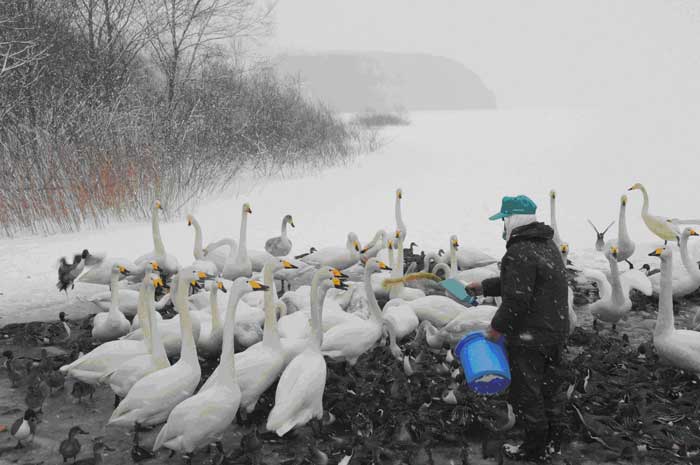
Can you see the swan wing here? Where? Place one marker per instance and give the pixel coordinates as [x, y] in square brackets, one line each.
[635, 279]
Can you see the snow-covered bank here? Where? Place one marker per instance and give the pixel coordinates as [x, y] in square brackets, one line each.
[453, 167]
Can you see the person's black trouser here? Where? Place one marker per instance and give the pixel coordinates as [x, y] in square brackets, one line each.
[536, 394]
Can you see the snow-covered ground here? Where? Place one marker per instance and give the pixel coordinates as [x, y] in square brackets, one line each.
[453, 168]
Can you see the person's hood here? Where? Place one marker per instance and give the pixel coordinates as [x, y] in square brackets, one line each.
[535, 230]
[513, 222]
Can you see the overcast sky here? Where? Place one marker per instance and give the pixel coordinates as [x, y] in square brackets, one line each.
[530, 53]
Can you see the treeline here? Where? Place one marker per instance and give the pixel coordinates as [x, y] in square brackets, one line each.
[107, 104]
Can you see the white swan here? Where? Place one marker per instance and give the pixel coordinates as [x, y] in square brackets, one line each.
[128, 373]
[221, 251]
[553, 217]
[167, 262]
[400, 225]
[241, 266]
[280, 246]
[211, 330]
[299, 394]
[659, 225]
[399, 290]
[452, 270]
[680, 348]
[573, 318]
[377, 243]
[336, 257]
[201, 419]
[201, 262]
[400, 316]
[475, 319]
[686, 281]
[112, 325]
[151, 399]
[624, 244]
[600, 236]
[128, 300]
[347, 341]
[437, 309]
[98, 270]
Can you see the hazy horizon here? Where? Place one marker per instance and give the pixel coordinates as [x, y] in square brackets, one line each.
[543, 53]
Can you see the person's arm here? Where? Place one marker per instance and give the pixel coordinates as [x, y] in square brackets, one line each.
[491, 287]
[518, 275]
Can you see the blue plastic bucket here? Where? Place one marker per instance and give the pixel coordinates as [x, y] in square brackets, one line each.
[485, 363]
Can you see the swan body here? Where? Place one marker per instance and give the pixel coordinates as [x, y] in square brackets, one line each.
[111, 325]
[240, 265]
[347, 341]
[680, 348]
[299, 394]
[167, 262]
[171, 333]
[685, 280]
[623, 243]
[401, 317]
[211, 330]
[659, 225]
[201, 419]
[153, 397]
[128, 373]
[280, 246]
[128, 300]
[219, 252]
[336, 257]
[437, 309]
[99, 270]
[479, 274]
[474, 319]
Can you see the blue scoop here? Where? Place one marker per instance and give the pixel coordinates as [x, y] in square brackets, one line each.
[485, 364]
[456, 289]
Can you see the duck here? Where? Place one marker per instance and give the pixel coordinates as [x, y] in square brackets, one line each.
[553, 217]
[336, 257]
[600, 236]
[167, 262]
[259, 366]
[374, 246]
[686, 279]
[614, 303]
[280, 246]
[81, 390]
[201, 262]
[299, 393]
[123, 378]
[240, 265]
[212, 329]
[69, 272]
[658, 225]
[97, 448]
[152, 398]
[680, 348]
[70, 448]
[24, 428]
[348, 341]
[625, 246]
[112, 325]
[16, 369]
[221, 251]
[202, 418]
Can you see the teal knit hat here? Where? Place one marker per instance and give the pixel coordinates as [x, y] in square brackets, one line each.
[519, 205]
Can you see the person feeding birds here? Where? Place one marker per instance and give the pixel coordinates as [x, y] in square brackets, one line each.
[533, 317]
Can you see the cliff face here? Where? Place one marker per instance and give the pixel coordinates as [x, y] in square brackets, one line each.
[351, 82]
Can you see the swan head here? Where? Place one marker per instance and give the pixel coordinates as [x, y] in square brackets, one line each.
[154, 280]
[687, 232]
[636, 186]
[614, 251]
[190, 219]
[390, 243]
[220, 284]
[660, 252]
[157, 205]
[247, 209]
[553, 194]
[564, 249]
[399, 235]
[120, 269]
[373, 265]
[339, 284]
[623, 200]
[399, 194]
[353, 242]
[454, 243]
[330, 272]
[290, 220]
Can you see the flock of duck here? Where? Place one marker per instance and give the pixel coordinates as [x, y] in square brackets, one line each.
[286, 317]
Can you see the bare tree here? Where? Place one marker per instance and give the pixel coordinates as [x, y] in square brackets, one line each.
[191, 30]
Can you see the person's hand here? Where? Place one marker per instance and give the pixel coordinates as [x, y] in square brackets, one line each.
[493, 335]
[475, 288]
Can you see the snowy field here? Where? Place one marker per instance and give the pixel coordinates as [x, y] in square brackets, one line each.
[453, 168]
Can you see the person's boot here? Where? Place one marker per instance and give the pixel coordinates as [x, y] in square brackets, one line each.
[532, 449]
[554, 439]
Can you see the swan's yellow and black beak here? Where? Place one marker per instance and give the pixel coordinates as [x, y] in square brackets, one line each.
[288, 266]
[194, 284]
[338, 284]
[155, 266]
[356, 245]
[693, 232]
[397, 235]
[338, 274]
[189, 222]
[257, 285]
[158, 282]
[455, 244]
[364, 249]
[399, 194]
[247, 209]
[291, 223]
[383, 266]
[221, 287]
[202, 276]
[390, 244]
[158, 205]
[553, 194]
[624, 200]
[657, 252]
[564, 248]
[614, 251]
[124, 271]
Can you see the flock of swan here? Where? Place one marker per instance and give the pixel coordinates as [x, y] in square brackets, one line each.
[269, 317]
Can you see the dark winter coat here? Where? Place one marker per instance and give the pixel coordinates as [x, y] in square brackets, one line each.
[533, 288]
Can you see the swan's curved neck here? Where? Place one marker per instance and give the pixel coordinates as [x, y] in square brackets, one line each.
[618, 296]
[622, 224]
[318, 295]
[188, 350]
[645, 205]
[198, 247]
[271, 337]
[284, 227]
[392, 258]
[158, 246]
[453, 262]
[553, 217]
[242, 243]
[399, 218]
[157, 348]
[374, 310]
[114, 288]
[214, 304]
[227, 363]
[397, 269]
[142, 311]
[688, 263]
[665, 321]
